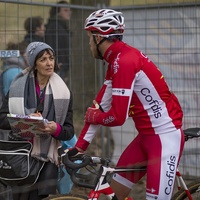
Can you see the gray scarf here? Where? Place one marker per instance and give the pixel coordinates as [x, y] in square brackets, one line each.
[23, 94]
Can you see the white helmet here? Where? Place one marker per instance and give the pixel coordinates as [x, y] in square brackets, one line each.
[105, 21]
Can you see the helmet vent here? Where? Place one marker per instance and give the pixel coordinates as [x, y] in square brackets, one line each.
[105, 28]
[113, 23]
[120, 18]
[90, 24]
[93, 14]
[93, 20]
[102, 11]
[104, 21]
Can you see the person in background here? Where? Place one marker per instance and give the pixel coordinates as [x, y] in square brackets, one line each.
[134, 87]
[57, 35]
[10, 68]
[13, 65]
[39, 89]
[35, 29]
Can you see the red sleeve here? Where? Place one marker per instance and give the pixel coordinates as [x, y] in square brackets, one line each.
[123, 77]
[81, 143]
[114, 97]
[103, 98]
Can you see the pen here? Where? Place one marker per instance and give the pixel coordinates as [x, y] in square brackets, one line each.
[37, 112]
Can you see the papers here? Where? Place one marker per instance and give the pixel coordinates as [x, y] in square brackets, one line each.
[25, 126]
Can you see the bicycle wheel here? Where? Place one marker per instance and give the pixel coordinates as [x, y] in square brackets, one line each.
[194, 189]
[66, 197]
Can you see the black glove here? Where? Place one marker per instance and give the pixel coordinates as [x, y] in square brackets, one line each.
[74, 153]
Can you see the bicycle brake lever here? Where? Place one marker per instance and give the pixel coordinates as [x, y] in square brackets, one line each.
[60, 154]
[61, 174]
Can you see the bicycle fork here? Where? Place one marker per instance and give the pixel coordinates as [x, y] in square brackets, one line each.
[180, 183]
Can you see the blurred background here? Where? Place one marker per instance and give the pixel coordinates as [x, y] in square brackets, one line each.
[167, 31]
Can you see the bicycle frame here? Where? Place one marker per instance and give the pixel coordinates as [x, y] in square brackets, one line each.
[180, 182]
[101, 185]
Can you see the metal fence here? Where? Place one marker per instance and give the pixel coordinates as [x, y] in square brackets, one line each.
[169, 34]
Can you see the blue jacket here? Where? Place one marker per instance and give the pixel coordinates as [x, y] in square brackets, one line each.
[10, 74]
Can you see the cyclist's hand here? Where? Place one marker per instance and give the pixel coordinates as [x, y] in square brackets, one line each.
[93, 113]
[74, 152]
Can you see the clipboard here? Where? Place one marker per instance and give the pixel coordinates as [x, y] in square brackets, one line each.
[24, 126]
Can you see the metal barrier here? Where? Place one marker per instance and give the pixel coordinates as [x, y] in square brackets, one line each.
[169, 34]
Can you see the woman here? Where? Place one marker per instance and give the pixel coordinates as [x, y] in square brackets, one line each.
[38, 88]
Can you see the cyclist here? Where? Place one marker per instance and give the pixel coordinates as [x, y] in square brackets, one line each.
[134, 87]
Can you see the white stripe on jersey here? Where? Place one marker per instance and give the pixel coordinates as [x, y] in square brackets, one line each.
[91, 132]
[126, 93]
[153, 104]
[107, 97]
[121, 92]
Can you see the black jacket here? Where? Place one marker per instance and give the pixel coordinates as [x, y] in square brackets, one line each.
[33, 38]
[67, 129]
[57, 36]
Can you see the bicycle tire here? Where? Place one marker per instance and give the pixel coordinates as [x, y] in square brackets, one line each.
[66, 197]
[194, 189]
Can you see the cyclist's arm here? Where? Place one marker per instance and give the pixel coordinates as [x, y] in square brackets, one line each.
[114, 98]
[103, 98]
[122, 89]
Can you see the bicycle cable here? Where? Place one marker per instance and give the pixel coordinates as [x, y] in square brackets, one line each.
[95, 172]
[92, 172]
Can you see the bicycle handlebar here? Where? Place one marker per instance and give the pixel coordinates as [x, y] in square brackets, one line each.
[65, 159]
[72, 168]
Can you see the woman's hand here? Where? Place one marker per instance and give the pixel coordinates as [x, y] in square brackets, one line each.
[38, 114]
[51, 128]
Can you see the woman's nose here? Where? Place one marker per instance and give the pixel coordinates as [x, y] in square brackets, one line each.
[48, 61]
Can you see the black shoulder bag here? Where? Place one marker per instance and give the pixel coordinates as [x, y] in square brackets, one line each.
[17, 167]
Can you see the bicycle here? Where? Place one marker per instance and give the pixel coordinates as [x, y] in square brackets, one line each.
[101, 183]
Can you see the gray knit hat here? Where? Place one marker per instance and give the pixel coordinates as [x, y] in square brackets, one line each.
[33, 49]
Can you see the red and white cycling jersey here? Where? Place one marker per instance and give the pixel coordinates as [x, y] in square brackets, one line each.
[134, 87]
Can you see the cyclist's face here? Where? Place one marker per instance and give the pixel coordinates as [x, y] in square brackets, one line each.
[93, 46]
